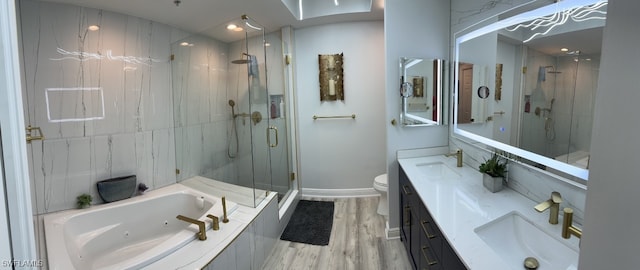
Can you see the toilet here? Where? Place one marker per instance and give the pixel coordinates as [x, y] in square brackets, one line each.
[380, 184]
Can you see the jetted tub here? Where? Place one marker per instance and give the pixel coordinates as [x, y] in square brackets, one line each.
[131, 233]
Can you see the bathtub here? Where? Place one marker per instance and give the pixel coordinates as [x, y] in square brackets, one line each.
[128, 234]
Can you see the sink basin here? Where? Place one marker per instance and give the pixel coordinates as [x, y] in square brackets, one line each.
[514, 238]
[436, 170]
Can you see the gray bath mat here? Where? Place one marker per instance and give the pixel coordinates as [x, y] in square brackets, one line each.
[310, 223]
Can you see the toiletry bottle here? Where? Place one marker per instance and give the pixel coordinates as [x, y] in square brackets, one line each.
[274, 111]
[282, 107]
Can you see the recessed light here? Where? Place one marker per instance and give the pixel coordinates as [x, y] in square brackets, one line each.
[564, 50]
[185, 44]
[93, 27]
[232, 26]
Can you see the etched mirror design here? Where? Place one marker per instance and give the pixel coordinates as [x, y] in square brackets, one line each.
[541, 69]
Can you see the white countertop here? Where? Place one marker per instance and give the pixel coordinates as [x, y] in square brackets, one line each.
[459, 205]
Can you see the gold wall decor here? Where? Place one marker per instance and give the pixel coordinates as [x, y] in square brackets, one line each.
[498, 94]
[331, 77]
[418, 86]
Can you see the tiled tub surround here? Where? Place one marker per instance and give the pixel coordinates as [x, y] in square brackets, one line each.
[460, 205]
[117, 236]
[251, 232]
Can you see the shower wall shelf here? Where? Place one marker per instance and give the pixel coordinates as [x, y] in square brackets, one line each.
[353, 116]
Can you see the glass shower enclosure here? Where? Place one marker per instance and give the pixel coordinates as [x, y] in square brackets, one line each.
[560, 96]
[230, 112]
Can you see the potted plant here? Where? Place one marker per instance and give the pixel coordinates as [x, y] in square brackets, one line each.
[493, 170]
[84, 201]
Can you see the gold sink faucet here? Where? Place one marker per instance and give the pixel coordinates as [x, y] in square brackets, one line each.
[553, 204]
[458, 155]
[202, 233]
[567, 225]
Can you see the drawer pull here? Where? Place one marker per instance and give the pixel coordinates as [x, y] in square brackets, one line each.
[404, 188]
[424, 253]
[426, 232]
[407, 212]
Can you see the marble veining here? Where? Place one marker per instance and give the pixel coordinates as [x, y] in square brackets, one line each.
[531, 182]
[102, 98]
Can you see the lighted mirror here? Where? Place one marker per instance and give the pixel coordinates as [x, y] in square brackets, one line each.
[526, 83]
[421, 84]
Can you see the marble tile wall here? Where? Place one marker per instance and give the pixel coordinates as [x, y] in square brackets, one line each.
[102, 99]
[252, 247]
[202, 114]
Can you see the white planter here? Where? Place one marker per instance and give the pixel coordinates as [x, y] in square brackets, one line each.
[493, 184]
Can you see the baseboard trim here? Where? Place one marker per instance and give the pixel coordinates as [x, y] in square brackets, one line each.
[339, 193]
[391, 233]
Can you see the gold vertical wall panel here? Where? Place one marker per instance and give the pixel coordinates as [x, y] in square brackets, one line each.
[331, 76]
[498, 94]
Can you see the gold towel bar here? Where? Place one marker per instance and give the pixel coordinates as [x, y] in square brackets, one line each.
[353, 116]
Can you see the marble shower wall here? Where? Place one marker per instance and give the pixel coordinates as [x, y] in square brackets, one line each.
[202, 115]
[102, 99]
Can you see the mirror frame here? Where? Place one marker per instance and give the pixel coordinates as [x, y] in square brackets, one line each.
[439, 78]
[466, 35]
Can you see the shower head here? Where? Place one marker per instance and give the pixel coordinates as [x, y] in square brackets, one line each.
[553, 70]
[232, 103]
[242, 59]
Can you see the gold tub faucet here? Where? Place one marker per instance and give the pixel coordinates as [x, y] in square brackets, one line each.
[458, 155]
[553, 204]
[202, 233]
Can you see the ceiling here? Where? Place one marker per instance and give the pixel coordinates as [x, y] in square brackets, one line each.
[587, 41]
[210, 16]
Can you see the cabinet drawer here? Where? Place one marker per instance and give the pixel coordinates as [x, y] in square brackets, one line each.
[429, 259]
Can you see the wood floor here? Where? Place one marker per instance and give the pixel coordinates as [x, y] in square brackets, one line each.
[357, 242]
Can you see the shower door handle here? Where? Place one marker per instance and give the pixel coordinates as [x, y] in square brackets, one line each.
[269, 136]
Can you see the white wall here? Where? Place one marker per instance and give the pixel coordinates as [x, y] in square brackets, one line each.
[611, 238]
[412, 29]
[340, 154]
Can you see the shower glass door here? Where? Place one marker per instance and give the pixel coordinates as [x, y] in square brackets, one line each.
[270, 151]
[261, 130]
[230, 126]
[561, 92]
